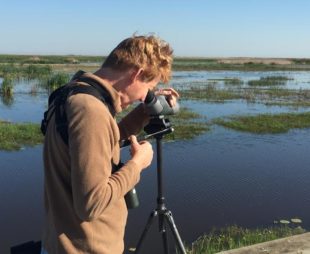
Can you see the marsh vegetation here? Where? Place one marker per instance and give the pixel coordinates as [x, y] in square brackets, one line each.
[268, 90]
[233, 237]
[267, 123]
[14, 136]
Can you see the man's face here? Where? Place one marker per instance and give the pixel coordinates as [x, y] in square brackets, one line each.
[137, 91]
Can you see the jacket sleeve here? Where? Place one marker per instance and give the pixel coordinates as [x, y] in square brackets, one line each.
[93, 136]
[133, 122]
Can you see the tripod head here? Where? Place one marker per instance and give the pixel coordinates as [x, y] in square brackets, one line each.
[158, 126]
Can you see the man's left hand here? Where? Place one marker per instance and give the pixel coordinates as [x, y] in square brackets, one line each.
[171, 95]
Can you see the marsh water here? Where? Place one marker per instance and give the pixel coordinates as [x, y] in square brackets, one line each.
[220, 178]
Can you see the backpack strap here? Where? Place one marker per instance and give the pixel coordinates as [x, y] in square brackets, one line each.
[58, 98]
[103, 94]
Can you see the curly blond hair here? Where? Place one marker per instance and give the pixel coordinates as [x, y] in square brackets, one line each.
[150, 53]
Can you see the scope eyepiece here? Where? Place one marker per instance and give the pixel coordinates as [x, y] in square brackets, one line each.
[158, 105]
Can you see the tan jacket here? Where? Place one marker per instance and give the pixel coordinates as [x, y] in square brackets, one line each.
[85, 207]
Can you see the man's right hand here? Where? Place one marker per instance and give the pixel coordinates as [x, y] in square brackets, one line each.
[141, 153]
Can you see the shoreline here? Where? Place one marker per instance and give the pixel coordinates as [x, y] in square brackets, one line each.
[71, 63]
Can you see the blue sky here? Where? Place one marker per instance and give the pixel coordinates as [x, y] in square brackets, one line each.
[207, 28]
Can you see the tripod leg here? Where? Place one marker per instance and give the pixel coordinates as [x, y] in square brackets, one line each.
[163, 231]
[146, 229]
[168, 216]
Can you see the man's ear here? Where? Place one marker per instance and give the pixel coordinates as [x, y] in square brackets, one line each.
[136, 75]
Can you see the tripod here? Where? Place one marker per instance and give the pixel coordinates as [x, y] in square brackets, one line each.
[160, 127]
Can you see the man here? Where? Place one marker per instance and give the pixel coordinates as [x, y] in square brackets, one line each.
[84, 197]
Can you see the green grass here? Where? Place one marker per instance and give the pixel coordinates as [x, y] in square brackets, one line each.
[28, 71]
[208, 92]
[56, 80]
[303, 61]
[235, 237]
[187, 125]
[14, 136]
[269, 81]
[267, 123]
[233, 81]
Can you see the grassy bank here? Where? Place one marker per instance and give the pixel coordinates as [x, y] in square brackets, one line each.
[74, 62]
[235, 237]
[14, 136]
[267, 123]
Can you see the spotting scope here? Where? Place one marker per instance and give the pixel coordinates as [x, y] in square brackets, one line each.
[159, 105]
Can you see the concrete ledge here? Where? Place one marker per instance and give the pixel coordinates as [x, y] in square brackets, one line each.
[298, 244]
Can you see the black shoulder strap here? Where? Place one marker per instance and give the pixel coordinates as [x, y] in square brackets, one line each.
[103, 94]
[60, 96]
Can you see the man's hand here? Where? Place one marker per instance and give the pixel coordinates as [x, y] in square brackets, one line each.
[141, 153]
[171, 94]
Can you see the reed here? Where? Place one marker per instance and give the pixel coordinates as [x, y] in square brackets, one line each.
[28, 71]
[7, 87]
[233, 81]
[234, 236]
[270, 81]
[208, 92]
[55, 80]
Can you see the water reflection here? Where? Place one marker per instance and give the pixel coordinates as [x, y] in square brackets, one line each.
[7, 100]
[25, 108]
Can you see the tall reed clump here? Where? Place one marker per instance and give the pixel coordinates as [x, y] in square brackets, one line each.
[7, 87]
[56, 80]
[34, 71]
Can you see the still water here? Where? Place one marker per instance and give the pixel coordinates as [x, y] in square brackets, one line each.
[220, 178]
